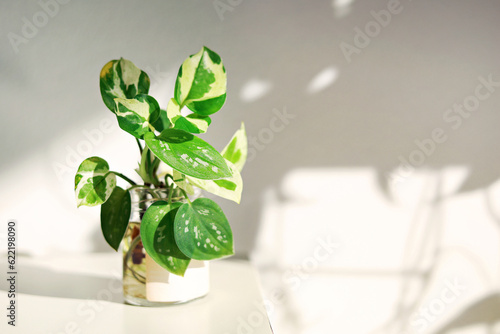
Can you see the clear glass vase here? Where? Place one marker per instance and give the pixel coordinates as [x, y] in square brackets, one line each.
[145, 283]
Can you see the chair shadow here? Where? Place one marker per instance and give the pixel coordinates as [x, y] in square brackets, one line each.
[484, 311]
[40, 281]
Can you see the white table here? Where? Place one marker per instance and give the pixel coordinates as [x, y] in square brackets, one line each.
[82, 294]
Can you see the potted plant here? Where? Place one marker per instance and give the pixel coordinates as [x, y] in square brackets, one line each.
[168, 232]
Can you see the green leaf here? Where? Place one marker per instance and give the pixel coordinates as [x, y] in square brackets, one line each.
[188, 154]
[94, 183]
[201, 83]
[193, 123]
[162, 122]
[157, 234]
[229, 188]
[115, 215]
[122, 79]
[135, 115]
[236, 150]
[202, 231]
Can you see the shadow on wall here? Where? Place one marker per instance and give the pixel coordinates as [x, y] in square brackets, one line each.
[426, 262]
[483, 310]
[406, 98]
[405, 102]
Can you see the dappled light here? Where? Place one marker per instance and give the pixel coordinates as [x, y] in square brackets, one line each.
[255, 89]
[323, 79]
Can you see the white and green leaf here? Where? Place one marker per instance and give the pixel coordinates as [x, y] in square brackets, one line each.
[136, 115]
[236, 150]
[115, 215]
[188, 154]
[192, 123]
[157, 234]
[122, 79]
[181, 181]
[229, 188]
[201, 83]
[94, 183]
[202, 231]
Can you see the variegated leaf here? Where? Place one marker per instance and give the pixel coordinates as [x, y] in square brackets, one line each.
[122, 79]
[229, 188]
[162, 122]
[201, 83]
[188, 154]
[181, 181]
[93, 182]
[202, 231]
[192, 123]
[237, 149]
[136, 115]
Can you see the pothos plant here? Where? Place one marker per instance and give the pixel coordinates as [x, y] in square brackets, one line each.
[172, 232]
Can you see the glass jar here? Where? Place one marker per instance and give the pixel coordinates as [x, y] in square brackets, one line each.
[146, 283]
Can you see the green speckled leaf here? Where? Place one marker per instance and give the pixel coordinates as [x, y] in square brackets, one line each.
[202, 231]
[136, 115]
[201, 83]
[122, 79]
[188, 154]
[157, 234]
[93, 182]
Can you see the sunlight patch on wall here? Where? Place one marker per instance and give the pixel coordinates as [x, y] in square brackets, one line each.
[342, 8]
[255, 89]
[323, 80]
[38, 191]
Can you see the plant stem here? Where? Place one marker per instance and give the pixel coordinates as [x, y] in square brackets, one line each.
[139, 144]
[138, 186]
[125, 178]
[132, 246]
[153, 170]
[170, 189]
[186, 196]
[170, 176]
